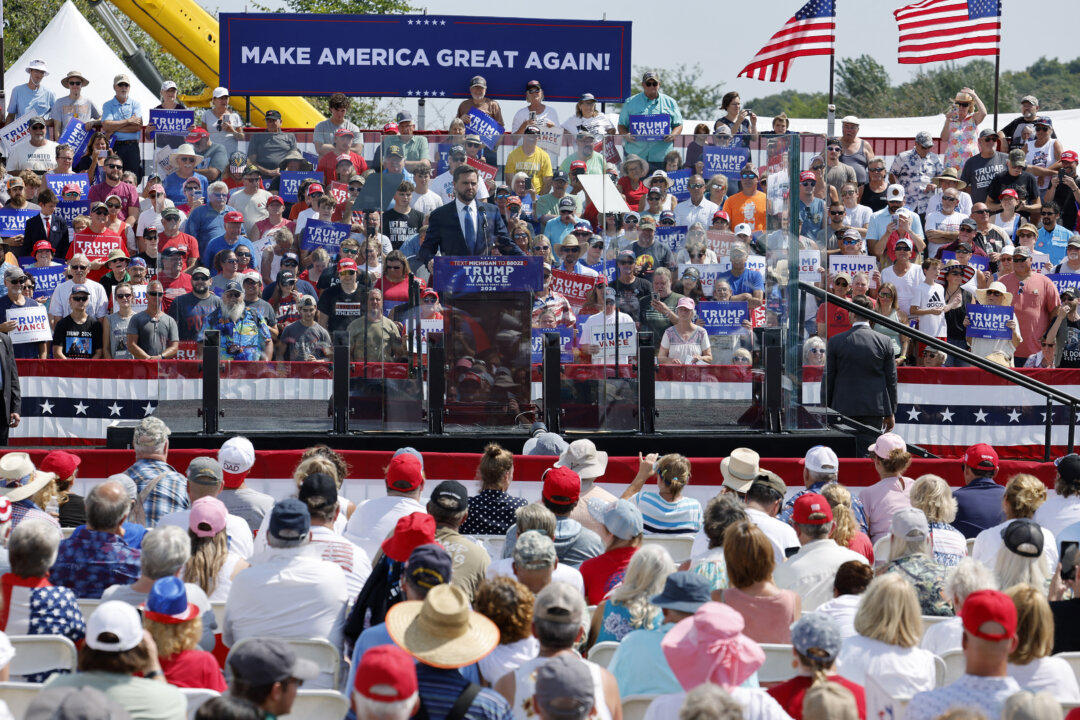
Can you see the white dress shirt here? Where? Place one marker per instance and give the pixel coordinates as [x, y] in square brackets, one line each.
[236, 528]
[780, 534]
[687, 213]
[1056, 514]
[811, 572]
[347, 555]
[288, 593]
[374, 519]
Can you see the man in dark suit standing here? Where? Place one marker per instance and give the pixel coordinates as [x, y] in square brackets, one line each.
[864, 360]
[9, 388]
[47, 226]
[463, 226]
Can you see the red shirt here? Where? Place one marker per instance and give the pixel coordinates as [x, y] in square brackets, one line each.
[328, 166]
[835, 318]
[633, 197]
[604, 572]
[185, 242]
[862, 545]
[790, 694]
[95, 246]
[194, 669]
[173, 288]
[396, 292]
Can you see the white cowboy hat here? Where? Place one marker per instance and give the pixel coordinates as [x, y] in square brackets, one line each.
[980, 295]
[185, 150]
[14, 467]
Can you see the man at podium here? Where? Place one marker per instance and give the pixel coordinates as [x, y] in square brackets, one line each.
[464, 226]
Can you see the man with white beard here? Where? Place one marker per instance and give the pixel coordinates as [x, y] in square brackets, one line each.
[244, 333]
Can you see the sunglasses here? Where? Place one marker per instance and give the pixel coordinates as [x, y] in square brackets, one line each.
[81, 298]
[112, 206]
[79, 267]
[230, 260]
[1020, 258]
[696, 186]
[697, 256]
[836, 212]
[350, 251]
[76, 83]
[817, 351]
[540, 248]
[243, 255]
[71, 195]
[962, 104]
[834, 148]
[154, 293]
[626, 262]
[840, 283]
[949, 198]
[980, 212]
[572, 250]
[809, 183]
[18, 280]
[101, 211]
[630, 221]
[849, 192]
[521, 236]
[993, 293]
[1050, 345]
[430, 301]
[288, 282]
[394, 267]
[652, 83]
[884, 294]
[114, 166]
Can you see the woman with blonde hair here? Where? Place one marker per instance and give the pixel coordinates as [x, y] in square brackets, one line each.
[665, 510]
[316, 459]
[768, 610]
[934, 497]
[627, 608]
[508, 604]
[892, 492]
[846, 531]
[886, 305]
[1024, 495]
[493, 510]
[889, 626]
[212, 566]
[1031, 664]
[174, 624]
[1020, 558]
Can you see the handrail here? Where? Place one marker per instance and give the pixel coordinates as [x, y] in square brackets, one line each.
[966, 355]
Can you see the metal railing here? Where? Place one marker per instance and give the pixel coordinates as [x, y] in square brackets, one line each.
[1050, 393]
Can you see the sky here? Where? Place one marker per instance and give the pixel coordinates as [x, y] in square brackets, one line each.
[723, 37]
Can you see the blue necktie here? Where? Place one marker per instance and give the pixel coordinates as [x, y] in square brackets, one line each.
[470, 230]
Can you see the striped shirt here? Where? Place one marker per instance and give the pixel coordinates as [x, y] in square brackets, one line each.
[683, 516]
[439, 690]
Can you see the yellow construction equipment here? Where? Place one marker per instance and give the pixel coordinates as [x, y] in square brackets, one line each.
[190, 34]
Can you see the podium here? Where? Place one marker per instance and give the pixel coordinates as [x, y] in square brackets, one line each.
[487, 335]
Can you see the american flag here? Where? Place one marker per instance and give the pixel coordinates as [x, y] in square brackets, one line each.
[935, 30]
[812, 31]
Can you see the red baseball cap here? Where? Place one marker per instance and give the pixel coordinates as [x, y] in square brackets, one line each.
[64, 464]
[43, 245]
[347, 264]
[807, 175]
[721, 214]
[981, 457]
[342, 132]
[410, 532]
[562, 486]
[343, 157]
[578, 165]
[390, 127]
[989, 606]
[275, 199]
[1070, 156]
[315, 188]
[386, 673]
[405, 473]
[812, 509]
[234, 216]
[1010, 192]
[196, 134]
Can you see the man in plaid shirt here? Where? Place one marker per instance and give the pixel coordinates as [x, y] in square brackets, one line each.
[169, 492]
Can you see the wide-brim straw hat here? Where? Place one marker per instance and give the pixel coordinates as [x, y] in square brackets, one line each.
[13, 467]
[74, 74]
[441, 630]
[185, 150]
[980, 294]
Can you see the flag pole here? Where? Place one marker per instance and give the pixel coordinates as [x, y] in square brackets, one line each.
[997, 74]
[831, 110]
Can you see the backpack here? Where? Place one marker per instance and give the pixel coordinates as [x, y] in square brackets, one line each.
[381, 592]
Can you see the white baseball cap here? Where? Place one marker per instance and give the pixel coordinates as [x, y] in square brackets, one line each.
[822, 459]
[237, 455]
[894, 192]
[744, 229]
[120, 619]
[221, 92]
[168, 85]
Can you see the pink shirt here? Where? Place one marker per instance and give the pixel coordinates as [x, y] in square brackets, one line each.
[882, 500]
[1033, 307]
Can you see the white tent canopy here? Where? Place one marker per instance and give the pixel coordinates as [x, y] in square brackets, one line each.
[68, 43]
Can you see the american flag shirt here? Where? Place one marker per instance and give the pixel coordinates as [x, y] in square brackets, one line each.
[33, 606]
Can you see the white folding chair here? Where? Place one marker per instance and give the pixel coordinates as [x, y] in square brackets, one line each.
[970, 545]
[778, 665]
[1067, 705]
[40, 653]
[635, 706]
[318, 704]
[601, 653]
[67, 532]
[880, 703]
[679, 547]
[18, 696]
[951, 666]
[321, 652]
[218, 608]
[492, 543]
[195, 698]
[881, 551]
[1073, 658]
[87, 606]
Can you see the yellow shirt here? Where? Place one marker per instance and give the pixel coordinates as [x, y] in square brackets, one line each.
[537, 166]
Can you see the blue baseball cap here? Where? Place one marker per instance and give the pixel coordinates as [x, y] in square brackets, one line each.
[683, 591]
[168, 602]
[429, 565]
[621, 518]
[289, 519]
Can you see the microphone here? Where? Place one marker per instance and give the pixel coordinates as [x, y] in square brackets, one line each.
[483, 229]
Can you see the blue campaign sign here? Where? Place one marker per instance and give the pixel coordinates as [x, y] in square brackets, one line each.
[442, 164]
[988, 321]
[1065, 280]
[422, 56]
[723, 317]
[77, 135]
[13, 222]
[650, 127]
[290, 182]
[57, 182]
[566, 343]
[679, 181]
[71, 209]
[727, 161]
[674, 236]
[173, 122]
[607, 268]
[977, 261]
[46, 279]
[326, 235]
[464, 275]
[482, 124]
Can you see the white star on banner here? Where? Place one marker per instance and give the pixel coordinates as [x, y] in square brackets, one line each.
[913, 414]
[147, 409]
[1014, 416]
[46, 407]
[980, 416]
[114, 409]
[947, 415]
[80, 409]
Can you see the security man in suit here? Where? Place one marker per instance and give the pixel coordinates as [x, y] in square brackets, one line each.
[9, 388]
[863, 359]
[464, 226]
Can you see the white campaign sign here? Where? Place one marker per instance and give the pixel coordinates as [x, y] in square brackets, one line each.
[852, 264]
[32, 325]
[810, 266]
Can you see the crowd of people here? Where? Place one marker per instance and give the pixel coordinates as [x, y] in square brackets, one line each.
[986, 220]
[441, 603]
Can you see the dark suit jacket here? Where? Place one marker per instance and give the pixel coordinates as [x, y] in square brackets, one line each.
[862, 360]
[57, 237]
[444, 233]
[12, 391]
